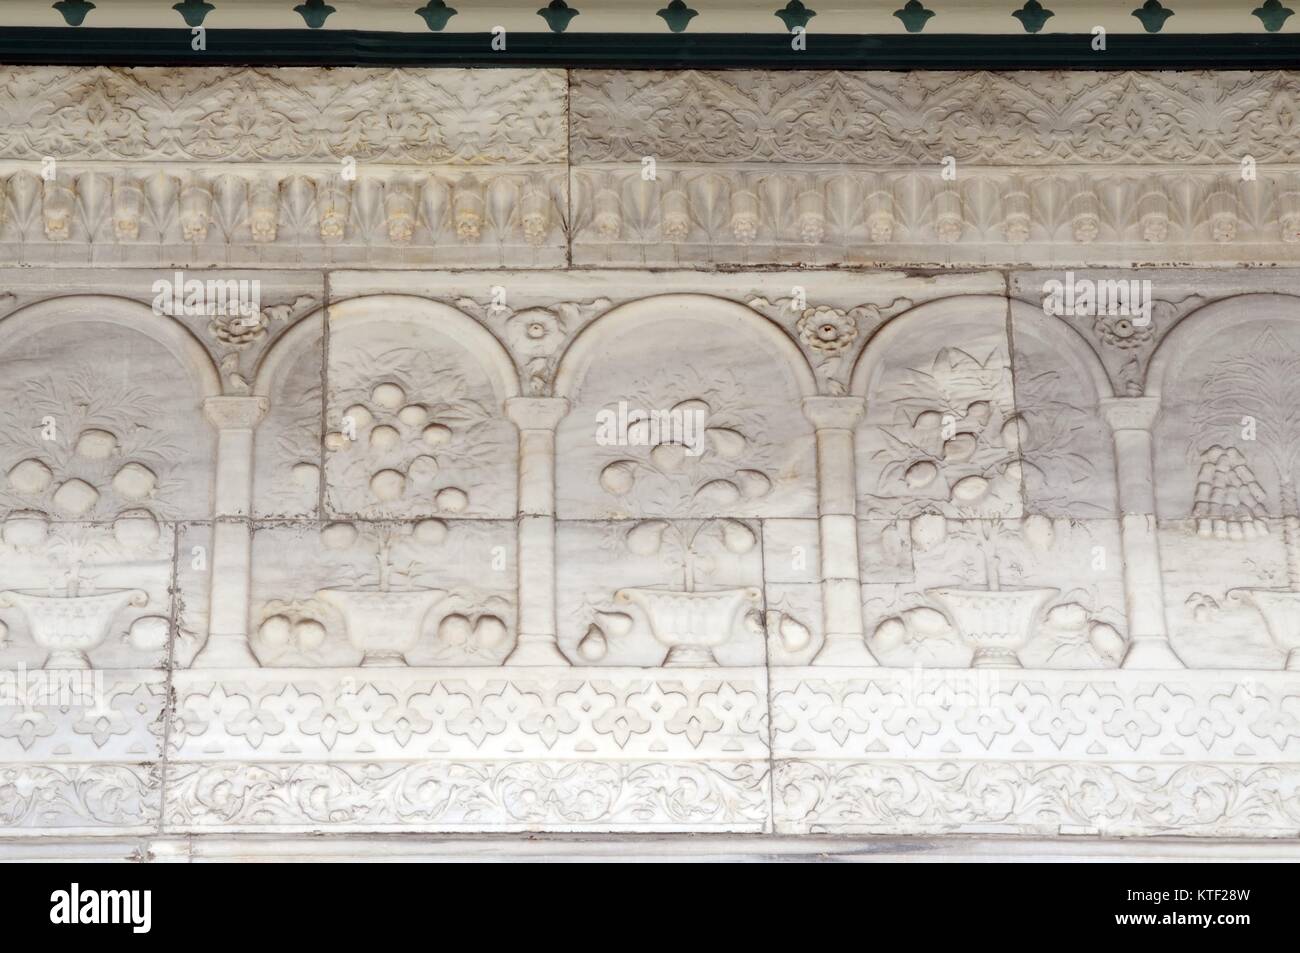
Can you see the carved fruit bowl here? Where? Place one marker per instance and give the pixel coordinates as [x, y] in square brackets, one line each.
[1281, 611]
[382, 624]
[70, 626]
[996, 623]
[691, 624]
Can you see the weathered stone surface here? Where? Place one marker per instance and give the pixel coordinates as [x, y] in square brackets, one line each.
[794, 551]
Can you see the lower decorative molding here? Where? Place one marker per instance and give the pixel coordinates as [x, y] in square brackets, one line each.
[482, 796]
[1037, 799]
[78, 798]
[865, 751]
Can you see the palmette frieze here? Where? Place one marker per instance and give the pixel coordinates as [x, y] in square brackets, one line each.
[694, 213]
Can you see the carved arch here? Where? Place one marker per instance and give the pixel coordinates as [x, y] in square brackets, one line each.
[708, 309]
[424, 313]
[288, 346]
[1211, 321]
[1075, 346]
[55, 313]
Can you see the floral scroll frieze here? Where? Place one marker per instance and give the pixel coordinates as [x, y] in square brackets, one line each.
[476, 796]
[921, 116]
[1045, 799]
[284, 115]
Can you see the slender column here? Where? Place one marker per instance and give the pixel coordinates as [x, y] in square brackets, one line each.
[536, 418]
[232, 537]
[1131, 420]
[835, 419]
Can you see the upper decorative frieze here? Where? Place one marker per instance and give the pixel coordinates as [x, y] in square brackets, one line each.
[879, 117]
[390, 116]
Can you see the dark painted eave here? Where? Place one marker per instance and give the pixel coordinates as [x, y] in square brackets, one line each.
[172, 47]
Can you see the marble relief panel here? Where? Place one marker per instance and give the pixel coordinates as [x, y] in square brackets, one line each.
[673, 422]
[86, 595]
[941, 434]
[94, 438]
[987, 536]
[289, 443]
[1054, 586]
[644, 574]
[792, 611]
[416, 426]
[348, 593]
[1066, 449]
[1227, 450]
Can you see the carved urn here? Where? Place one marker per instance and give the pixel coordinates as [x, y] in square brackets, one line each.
[69, 626]
[382, 624]
[1281, 611]
[996, 623]
[693, 623]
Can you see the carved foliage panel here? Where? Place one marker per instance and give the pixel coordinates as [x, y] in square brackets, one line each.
[225, 114]
[687, 416]
[492, 796]
[1044, 799]
[383, 626]
[289, 444]
[120, 434]
[1066, 449]
[921, 116]
[416, 426]
[99, 457]
[941, 434]
[1226, 448]
[473, 713]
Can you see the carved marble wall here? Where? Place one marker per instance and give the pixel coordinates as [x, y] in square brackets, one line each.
[546, 547]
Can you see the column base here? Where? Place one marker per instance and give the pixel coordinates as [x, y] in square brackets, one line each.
[536, 650]
[1151, 652]
[226, 651]
[845, 651]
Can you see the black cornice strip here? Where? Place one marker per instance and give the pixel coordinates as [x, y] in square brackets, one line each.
[85, 46]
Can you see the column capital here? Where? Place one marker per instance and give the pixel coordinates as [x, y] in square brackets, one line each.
[1130, 413]
[834, 413]
[236, 413]
[536, 413]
